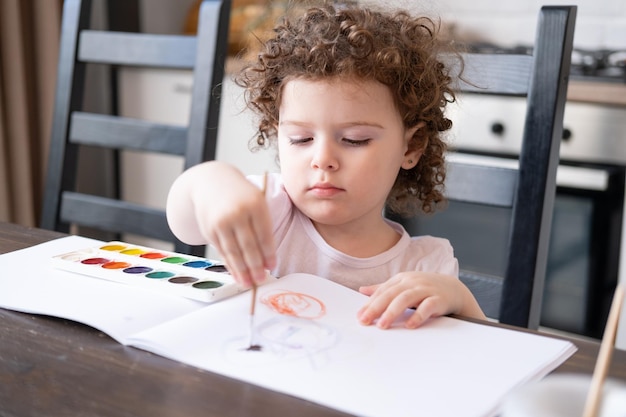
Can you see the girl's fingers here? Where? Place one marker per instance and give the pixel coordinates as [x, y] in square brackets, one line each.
[251, 252]
[398, 306]
[262, 229]
[368, 289]
[246, 249]
[387, 304]
[227, 246]
[375, 306]
[429, 307]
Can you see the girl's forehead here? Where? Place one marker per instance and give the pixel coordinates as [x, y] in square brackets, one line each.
[335, 80]
[345, 86]
[338, 101]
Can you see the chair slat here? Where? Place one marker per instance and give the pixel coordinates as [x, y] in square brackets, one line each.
[114, 215]
[137, 49]
[467, 183]
[486, 288]
[496, 74]
[126, 133]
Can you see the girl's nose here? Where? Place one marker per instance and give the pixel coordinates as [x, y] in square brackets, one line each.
[325, 156]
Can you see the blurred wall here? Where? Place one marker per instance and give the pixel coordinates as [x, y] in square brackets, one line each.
[599, 23]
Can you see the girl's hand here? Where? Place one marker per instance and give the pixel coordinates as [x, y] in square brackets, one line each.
[431, 295]
[240, 229]
[214, 203]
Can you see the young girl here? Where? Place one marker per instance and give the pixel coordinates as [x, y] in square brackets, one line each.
[353, 99]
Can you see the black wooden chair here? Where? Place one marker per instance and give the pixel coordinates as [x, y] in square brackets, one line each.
[529, 187]
[72, 128]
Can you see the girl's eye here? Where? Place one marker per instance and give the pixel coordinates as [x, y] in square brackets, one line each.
[299, 141]
[356, 142]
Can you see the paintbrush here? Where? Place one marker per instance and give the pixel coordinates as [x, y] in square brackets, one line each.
[594, 396]
[252, 346]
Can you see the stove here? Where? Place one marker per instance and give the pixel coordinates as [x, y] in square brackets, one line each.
[599, 65]
[594, 130]
[603, 65]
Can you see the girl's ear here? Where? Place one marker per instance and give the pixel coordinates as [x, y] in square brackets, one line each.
[414, 149]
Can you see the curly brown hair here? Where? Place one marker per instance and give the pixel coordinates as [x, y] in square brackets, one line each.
[355, 42]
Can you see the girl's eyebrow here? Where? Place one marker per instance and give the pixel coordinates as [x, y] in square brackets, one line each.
[342, 125]
[293, 123]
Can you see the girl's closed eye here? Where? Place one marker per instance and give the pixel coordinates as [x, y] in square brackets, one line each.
[299, 141]
[356, 142]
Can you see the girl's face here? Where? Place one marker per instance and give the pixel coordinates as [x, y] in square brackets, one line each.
[341, 144]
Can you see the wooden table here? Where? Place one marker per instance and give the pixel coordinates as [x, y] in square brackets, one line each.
[51, 366]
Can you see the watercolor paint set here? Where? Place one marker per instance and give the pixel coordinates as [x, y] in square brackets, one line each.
[170, 272]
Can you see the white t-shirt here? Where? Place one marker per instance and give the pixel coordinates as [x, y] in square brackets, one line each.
[300, 248]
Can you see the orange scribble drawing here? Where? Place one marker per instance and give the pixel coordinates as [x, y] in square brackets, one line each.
[295, 304]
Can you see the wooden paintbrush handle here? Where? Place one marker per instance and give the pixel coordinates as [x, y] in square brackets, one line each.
[594, 397]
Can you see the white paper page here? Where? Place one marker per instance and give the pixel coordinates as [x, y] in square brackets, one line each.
[29, 283]
[448, 368]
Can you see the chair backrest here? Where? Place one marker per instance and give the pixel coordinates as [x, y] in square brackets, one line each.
[72, 128]
[527, 188]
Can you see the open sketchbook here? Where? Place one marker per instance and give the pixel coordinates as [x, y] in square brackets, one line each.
[312, 345]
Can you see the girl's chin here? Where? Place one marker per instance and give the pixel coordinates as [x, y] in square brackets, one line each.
[331, 216]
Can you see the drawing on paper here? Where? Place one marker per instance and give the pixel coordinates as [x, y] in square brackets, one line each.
[286, 338]
[294, 304]
[293, 333]
[295, 330]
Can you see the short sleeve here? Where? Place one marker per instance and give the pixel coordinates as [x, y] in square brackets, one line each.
[278, 200]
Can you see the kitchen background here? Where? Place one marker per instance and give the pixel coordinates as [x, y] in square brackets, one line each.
[588, 227]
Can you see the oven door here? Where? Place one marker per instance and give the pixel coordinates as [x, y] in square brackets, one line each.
[583, 256]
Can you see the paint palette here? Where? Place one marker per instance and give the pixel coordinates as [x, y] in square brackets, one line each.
[173, 273]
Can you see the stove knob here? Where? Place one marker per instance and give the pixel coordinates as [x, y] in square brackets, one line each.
[567, 134]
[497, 128]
